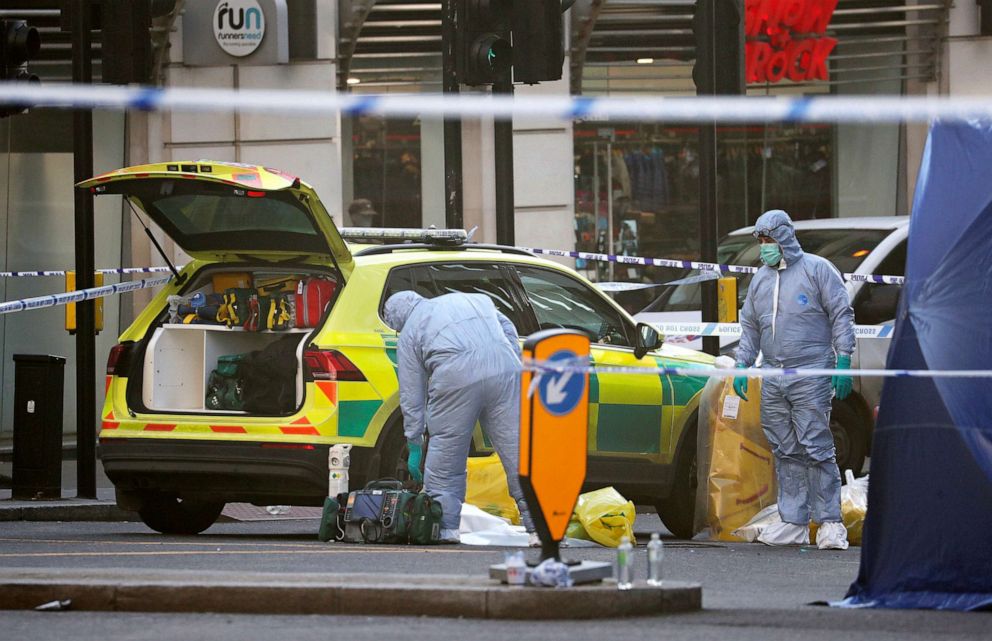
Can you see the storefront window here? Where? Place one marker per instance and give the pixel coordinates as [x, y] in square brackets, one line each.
[647, 176]
[386, 155]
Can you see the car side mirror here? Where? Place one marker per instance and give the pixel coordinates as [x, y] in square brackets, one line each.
[648, 339]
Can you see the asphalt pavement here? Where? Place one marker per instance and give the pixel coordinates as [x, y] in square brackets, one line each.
[749, 591]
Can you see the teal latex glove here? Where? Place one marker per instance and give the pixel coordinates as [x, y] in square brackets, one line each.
[842, 384]
[414, 459]
[740, 383]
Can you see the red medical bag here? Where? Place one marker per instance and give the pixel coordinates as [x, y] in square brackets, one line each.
[312, 297]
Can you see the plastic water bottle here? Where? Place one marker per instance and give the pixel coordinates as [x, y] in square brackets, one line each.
[656, 554]
[625, 565]
[516, 568]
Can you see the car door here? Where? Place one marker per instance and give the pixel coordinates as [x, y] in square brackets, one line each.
[630, 415]
[876, 304]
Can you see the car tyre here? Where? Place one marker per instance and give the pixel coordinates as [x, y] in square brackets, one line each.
[173, 515]
[394, 452]
[850, 437]
[678, 511]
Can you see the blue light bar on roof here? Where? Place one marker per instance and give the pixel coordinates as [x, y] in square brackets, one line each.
[401, 234]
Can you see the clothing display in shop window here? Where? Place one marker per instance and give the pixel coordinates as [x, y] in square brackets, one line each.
[648, 178]
[621, 176]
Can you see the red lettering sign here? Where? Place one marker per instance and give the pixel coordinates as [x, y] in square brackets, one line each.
[785, 39]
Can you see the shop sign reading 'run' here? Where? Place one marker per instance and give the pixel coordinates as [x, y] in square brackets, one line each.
[785, 39]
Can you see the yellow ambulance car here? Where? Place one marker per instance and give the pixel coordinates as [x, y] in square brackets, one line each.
[177, 444]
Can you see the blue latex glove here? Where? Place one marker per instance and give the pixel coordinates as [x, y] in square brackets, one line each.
[740, 383]
[415, 458]
[842, 384]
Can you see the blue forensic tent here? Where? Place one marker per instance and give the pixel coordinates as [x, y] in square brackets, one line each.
[928, 534]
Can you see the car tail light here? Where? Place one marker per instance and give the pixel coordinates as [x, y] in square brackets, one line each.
[119, 359]
[330, 365]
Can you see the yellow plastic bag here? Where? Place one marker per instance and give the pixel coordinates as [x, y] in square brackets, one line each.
[853, 508]
[736, 465]
[606, 516]
[575, 529]
[487, 489]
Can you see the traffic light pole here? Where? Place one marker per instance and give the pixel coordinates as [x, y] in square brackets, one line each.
[708, 228]
[503, 149]
[453, 203]
[82, 154]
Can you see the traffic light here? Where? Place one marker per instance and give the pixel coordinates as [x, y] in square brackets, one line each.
[482, 45]
[718, 28]
[125, 41]
[538, 48]
[19, 43]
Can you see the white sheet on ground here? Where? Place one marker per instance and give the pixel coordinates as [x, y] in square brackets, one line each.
[481, 528]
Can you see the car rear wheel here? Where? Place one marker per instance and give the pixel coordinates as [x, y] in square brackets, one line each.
[392, 459]
[173, 515]
[850, 439]
[678, 511]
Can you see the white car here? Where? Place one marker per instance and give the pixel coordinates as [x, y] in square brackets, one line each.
[875, 245]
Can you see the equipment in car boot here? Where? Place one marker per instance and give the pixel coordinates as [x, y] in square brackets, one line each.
[312, 298]
[270, 378]
[225, 387]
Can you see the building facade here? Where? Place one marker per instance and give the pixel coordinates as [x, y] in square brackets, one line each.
[624, 187]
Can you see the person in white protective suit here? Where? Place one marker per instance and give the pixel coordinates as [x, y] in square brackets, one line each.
[459, 362]
[798, 315]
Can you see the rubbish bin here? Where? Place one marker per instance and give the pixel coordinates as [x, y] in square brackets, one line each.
[38, 386]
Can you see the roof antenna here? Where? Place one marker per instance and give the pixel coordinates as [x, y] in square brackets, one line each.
[471, 233]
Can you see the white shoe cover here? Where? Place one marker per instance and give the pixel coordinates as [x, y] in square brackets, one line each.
[533, 540]
[450, 536]
[782, 533]
[831, 536]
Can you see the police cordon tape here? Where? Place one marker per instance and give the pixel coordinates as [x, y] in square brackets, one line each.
[735, 109]
[563, 366]
[63, 272]
[734, 329]
[692, 264]
[53, 300]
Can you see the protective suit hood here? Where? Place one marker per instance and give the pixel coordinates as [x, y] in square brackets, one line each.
[399, 307]
[777, 224]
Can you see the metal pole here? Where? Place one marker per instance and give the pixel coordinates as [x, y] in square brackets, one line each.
[453, 203]
[82, 154]
[595, 203]
[609, 207]
[503, 151]
[708, 227]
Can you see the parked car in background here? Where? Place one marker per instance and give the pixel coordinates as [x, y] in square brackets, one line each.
[873, 245]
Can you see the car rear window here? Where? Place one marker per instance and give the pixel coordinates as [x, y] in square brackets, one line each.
[205, 216]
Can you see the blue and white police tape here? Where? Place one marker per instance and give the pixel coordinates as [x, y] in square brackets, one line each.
[560, 366]
[739, 109]
[53, 300]
[692, 264]
[734, 329]
[63, 272]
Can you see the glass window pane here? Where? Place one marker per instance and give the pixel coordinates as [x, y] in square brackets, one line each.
[470, 278]
[563, 302]
[477, 278]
